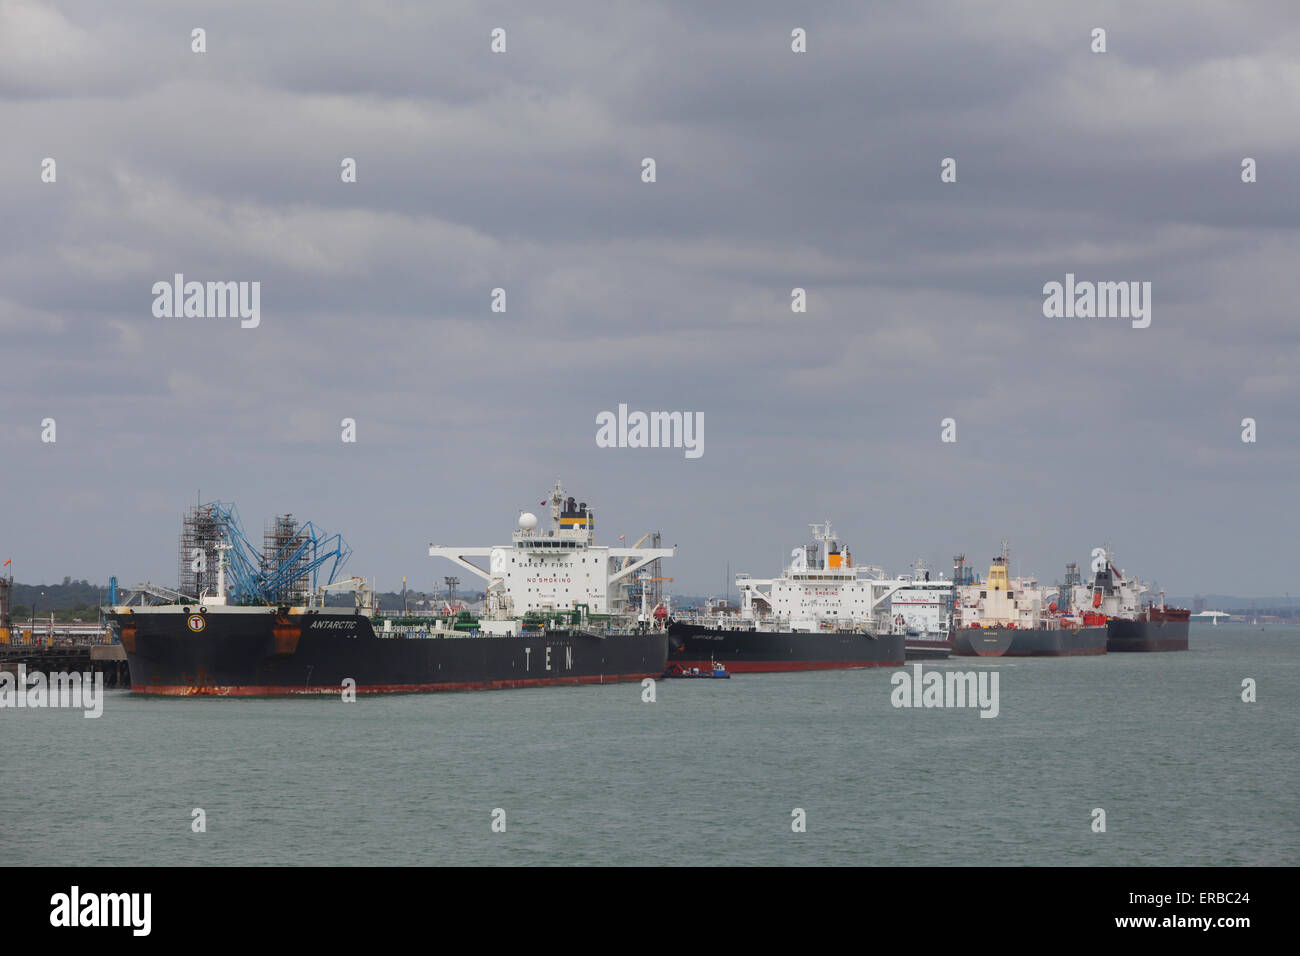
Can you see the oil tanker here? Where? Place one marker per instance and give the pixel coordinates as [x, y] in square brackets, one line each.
[821, 613]
[555, 613]
[1130, 625]
[1003, 617]
[772, 648]
[923, 611]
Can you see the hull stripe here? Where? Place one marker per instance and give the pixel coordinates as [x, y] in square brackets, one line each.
[272, 690]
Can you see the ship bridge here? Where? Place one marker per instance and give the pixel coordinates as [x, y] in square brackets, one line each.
[554, 568]
[820, 587]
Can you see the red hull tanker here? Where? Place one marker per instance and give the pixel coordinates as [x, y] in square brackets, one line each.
[1132, 626]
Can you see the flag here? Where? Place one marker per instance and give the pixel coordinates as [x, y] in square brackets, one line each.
[8, 561]
[622, 537]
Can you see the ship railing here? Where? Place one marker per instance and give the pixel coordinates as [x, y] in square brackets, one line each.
[43, 635]
[729, 622]
[419, 632]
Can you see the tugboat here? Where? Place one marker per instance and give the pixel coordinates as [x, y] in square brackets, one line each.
[1016, 618]
[821, 613]
[679, 671]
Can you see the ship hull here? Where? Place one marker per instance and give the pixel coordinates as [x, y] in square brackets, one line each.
[981, 642]
[264, 654]
[756, 652]
[1167, 631]
[1029, 642]
[928, 649]
[1057, 642]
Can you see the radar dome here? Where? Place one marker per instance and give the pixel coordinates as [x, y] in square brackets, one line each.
[527, 521]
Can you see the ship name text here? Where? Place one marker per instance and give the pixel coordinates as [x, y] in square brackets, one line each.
[547, 662]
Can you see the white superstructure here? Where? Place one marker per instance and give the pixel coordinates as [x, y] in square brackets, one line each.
[1003, 601]
[553, 569]
[923, 606]
[1112, 592]
[820, 590]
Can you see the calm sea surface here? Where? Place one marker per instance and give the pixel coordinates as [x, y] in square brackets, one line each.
[709, 774]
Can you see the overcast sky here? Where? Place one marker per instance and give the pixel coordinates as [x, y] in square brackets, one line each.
[775, 169]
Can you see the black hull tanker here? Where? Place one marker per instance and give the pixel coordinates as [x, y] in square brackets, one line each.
[1131, 625]
[1015, 617]
[754, 651]
[820, 613]
[317, 652]
[556, 611]
[1030, 641]
[928, 648]
[981, 641]
[1157, 630]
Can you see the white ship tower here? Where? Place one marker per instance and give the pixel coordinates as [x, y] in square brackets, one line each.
[554, 569]
[923, 605]
[819, 590]
[1112, 593]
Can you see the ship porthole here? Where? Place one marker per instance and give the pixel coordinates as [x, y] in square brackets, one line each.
[186, 609]
[203, 610]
